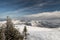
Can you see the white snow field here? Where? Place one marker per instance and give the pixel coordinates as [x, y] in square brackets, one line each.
[37, 33]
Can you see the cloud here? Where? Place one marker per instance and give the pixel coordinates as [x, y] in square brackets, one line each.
[46, 14]
[10, 13]
[23, 7]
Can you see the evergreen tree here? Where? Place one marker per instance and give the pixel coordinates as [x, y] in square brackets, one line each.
[2, 35]
[25, 32]
[25, 29]
[11, 33]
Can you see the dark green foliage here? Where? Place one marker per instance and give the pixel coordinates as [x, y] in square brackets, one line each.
[1, 34]
[9, 32]
[25, 29]
[25, 32]
[13, 34]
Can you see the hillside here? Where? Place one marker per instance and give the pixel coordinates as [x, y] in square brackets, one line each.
[36, 33]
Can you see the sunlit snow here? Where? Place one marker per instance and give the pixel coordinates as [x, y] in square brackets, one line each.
[37, 33]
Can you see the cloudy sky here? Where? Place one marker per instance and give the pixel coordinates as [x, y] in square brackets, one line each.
[18, 8]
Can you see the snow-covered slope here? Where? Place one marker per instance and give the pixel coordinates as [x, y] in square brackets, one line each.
[37, 33]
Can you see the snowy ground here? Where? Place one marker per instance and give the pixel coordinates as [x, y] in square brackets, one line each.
[37, 33]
